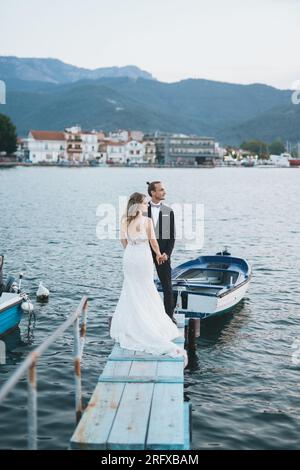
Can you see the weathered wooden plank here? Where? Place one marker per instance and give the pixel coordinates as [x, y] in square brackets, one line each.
[166, 372]
[122, 351]
[187, 407]
[131, 422]
[145, 358]
[139, 379]
[175, 369]
[166, 424]
[94, 427]
[115, 369]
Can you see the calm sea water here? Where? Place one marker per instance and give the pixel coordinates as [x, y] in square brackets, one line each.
[242, 381]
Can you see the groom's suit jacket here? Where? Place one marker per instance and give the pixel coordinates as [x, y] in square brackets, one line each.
[164, 229]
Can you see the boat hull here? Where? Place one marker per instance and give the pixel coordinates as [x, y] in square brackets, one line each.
[294, 162]
[10, 317]
[205, 306]
[201, 308]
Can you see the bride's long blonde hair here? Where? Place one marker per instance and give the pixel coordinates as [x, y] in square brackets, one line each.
[132, 210]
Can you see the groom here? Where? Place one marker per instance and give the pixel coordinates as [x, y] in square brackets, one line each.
[164, 226]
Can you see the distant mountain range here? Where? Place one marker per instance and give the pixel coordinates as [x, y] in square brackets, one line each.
[56, 71]
[49, 94]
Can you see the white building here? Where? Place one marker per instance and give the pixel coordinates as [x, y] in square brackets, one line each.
[125, 152]
[45, 146]
[75, 145]
[115, 152]
[221, 151]
[82, 145]
[134, 152]
[90, 146]
[118, 136]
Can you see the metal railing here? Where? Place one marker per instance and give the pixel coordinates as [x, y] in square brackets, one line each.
[30, 363]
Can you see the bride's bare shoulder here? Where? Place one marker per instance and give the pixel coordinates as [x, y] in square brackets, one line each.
[148, 223]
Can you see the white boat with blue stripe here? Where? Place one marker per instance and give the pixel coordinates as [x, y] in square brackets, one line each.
[209, 285]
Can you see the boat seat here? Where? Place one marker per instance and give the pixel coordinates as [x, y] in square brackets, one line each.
[204, 285]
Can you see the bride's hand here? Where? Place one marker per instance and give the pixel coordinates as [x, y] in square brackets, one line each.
[159, 258]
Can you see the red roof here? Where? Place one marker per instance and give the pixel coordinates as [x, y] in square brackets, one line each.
[48, 135]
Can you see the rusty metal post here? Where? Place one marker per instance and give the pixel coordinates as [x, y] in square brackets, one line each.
[77, 354]
[32, 408]
[83, 327]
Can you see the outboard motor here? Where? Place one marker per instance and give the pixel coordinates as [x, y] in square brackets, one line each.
[11, 285]
[225, 252]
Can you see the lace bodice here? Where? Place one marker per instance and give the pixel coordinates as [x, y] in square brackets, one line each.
[139, 237]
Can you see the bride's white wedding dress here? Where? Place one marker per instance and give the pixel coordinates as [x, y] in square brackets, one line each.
[140, 322]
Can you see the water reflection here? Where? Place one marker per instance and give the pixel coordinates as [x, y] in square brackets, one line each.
[216, 330]
[14, 346]
[223, 328]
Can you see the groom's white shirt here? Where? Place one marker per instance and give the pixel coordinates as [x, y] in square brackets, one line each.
[155, 208]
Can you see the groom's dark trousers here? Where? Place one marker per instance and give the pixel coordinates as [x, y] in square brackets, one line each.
[165, 235]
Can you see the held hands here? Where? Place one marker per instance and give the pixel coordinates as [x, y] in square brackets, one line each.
[161, 258]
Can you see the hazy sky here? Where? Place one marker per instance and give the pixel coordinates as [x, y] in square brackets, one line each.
[240, 41]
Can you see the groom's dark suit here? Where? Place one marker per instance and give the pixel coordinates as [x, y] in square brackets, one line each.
[165, 235]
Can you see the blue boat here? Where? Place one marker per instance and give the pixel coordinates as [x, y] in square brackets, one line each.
[11, 300]
[10, 312]
[209, 285]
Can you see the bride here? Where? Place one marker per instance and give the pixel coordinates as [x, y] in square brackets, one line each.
[140, 322]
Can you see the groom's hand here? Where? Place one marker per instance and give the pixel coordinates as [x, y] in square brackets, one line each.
[164, 257]
[159, 259]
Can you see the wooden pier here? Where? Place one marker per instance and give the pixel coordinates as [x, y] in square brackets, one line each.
[138, 403]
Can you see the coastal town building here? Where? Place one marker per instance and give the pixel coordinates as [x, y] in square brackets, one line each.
[45, 146]
[135, 152]
[150, 152]
[82, 146]
[131, 152]
[183, 149]
[77, 146]
[125, 135]
[72, 145]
